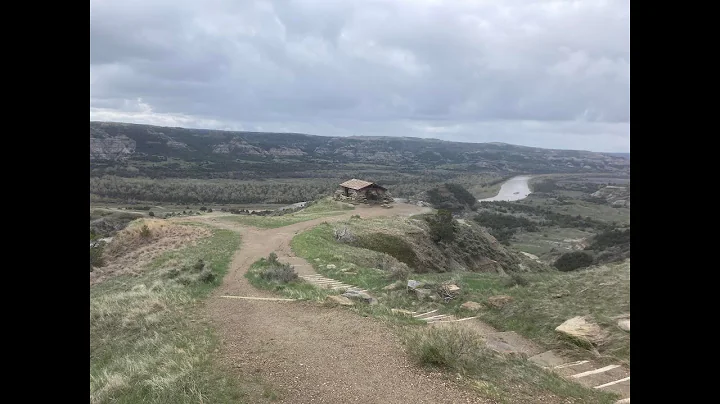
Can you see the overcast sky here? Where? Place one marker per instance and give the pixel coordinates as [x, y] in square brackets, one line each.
[539, 73]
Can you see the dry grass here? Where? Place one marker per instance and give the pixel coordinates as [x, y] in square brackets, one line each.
[146, 345]
[602, 293]
[534, 311]
[129, 252]
[503, 378]
[131, 238]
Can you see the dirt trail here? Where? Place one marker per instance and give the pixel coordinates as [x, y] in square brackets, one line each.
[311, 353]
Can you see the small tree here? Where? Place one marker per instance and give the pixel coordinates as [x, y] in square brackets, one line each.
[145, 232]
[441, 226]
[199, 265]
[573, 260]
[151, 214]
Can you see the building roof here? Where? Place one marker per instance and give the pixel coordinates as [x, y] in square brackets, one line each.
[358, 184]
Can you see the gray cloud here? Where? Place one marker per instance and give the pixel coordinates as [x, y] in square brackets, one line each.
[540, 73]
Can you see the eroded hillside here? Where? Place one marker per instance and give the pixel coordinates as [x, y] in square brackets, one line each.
[143, 150]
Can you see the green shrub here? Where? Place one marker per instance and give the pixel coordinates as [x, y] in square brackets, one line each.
[611, 238]
[172, 273]
[461, 194]
[184, 280]
[384, 262]
[442, 227]
[573, 260]
[282, 273]
[145, 232]
[399, 272]
[500, 221]
[451, 197]
[207, 276]
[458, 349]
[199, 265]
[545, 186]
[516, 280]
[391, 245]
[151, 214]
[275, 271]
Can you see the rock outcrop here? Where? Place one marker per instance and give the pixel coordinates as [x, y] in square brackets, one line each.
[111, 148]
[357, 294]
[338, 300]
[499, 301]
[580, 330]
[616, 196]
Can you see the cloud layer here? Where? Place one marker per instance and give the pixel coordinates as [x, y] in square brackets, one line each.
[533, 72]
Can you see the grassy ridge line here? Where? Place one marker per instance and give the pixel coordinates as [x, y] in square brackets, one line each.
[146, 344]
[323, 208]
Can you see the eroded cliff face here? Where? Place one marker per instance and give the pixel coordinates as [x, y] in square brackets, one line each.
[238, 147]
[111, 147]
[616, 196]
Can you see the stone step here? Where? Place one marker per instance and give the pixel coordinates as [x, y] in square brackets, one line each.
[436, 318]
[620, 386]
[574, 368]
[270, 299]
[594, 371]
[510, 341]
[452, 319]
[321, 281]
[548, 359]
[335, 285]
[424, 315]
[604, 377]
[612, 378]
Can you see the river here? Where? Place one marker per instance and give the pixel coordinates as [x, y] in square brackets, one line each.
[514, 189]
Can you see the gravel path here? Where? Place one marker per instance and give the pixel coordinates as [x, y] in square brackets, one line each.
[310, 353]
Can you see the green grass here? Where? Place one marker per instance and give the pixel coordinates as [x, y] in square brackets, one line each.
[534, 313]
[543, 241]
[148, 345]
[318, 246]
[601, 292]
[302, 290]
[323, 208]
[297, 289]
[503, 378]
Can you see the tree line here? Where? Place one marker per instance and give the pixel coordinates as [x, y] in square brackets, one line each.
[285, 190]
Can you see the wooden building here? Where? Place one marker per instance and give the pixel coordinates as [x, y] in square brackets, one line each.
[363, 191]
